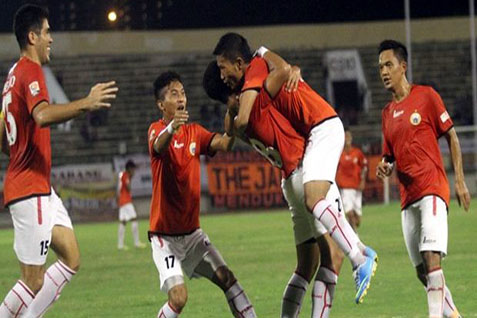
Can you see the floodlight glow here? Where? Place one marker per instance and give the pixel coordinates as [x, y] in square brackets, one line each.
[112, 16]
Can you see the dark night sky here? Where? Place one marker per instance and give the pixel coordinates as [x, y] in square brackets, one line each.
[179, 14]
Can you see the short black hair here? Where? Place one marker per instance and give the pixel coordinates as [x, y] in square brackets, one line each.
[398, 48]
[163, 80]
[232, 45]
[213, 84]
[130, 164]
[28, 18]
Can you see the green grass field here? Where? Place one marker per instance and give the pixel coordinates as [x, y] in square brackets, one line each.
[259, 249]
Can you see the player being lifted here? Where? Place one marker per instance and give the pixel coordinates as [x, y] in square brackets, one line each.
[40, 220]
[412, 123]
[178, 243]
[272, 135]
[313, 118]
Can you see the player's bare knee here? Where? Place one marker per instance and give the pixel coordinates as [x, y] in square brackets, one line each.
[178, 297]
[225, 277]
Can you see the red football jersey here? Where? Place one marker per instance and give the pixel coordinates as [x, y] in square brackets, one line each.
[272, 135]
[28, 172]
[255, 74]
[304, 108]
[351, 164]
[124, 193]
[176, 179]
[411, 129]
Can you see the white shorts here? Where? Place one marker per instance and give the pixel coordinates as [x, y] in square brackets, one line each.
[424, 225]
[175, 254]
[33, 220]
[323, 150]
[127, 212]
[305, 225]
[352, 200]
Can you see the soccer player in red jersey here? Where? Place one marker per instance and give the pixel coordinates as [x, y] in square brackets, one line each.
[412, 123]
[351, 179]
[313, 118]
[178, 243]
[272, 136]
[40, 220]
[127, 212]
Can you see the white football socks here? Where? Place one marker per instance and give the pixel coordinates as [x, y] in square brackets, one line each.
[56, 277]
[435, 293]
[17, 301]
[239, 303]
[340, 231]
[293, 296]
[323, 292]
[167, 312]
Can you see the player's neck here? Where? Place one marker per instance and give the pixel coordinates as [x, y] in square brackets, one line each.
[30, 54]
[347, 148]
[402, 91]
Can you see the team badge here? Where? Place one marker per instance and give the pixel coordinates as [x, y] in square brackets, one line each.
[415, 118]
[34, 88]
[192, 148]
[445, 116]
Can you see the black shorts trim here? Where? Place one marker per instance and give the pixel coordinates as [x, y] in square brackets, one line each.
[150, 234]
[26, 197]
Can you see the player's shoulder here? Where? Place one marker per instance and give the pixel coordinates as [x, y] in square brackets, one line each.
[257, 62]
[386, 109]
[424, 90]
[155, 128]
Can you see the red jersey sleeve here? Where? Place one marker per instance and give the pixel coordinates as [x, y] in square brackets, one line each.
[362, 161]
[154, 131]
[124, 180]
[205, 138]
[438, 115]
[255, 75]
[34, 86]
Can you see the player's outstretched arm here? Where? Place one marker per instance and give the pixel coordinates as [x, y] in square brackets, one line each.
[461, 191]
[98, 98]
[246, 101]
[165, 136]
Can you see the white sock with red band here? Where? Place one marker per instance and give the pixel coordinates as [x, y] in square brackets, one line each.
[340, 231]
[56, 277]
[293, 296]
[239, 303]
[167, 312]
[450, 309]
[436, 293]
[323, 292]
[17, 301]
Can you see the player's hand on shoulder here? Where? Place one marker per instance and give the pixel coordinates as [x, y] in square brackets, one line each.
[462, 194]
[293, 79]
[101, 94]
[180, 118]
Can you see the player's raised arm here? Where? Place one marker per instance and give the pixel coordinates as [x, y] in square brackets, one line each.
[99, 97]
[165, 136]
[277, 64]
[461, 191]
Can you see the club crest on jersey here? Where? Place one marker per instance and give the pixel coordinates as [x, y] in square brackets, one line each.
[34, 88]
[192, 147]
[415, 118]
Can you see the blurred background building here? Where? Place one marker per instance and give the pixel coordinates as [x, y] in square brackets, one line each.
[333, 41]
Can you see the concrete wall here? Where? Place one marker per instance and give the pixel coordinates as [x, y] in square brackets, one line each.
[331, 35]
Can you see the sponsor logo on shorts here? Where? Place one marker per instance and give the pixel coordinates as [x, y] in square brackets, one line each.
[428, 240]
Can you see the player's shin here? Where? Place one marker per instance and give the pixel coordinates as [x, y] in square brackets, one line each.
[293, 296]
[450, 310]
[323, 292]
[340, 230]
[56, 277]
[239, 303]
[17, 301]
[436, 293]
